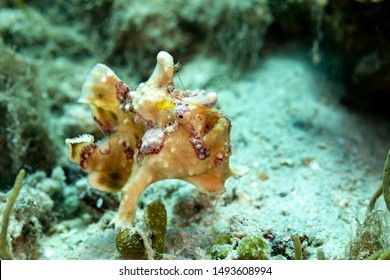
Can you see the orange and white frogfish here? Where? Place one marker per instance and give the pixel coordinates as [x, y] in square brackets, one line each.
[154, 131]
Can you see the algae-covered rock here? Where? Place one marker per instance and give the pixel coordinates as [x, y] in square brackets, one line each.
[233, 246]
[357, 35]
[292, 20]
[232, 28]
[29, 220]
[130, 245]
[252, 247]
[371, 236]
[222, 238]
[221, 247]
[219, 252]
[24, 122]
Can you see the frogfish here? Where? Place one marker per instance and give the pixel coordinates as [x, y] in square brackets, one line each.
[152, 132]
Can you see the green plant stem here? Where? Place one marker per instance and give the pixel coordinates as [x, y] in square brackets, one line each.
[380, 255]
[320, 255]
[374, 198]
[297, 248]
[214, 210]
[384, 188]
[386, 181]
[385, 255]
[376, 255]
[5, 253]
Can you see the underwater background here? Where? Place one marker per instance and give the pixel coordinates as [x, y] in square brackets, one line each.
[306, 85]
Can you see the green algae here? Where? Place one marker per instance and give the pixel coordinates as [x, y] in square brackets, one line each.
[131, 244]
[297, 248]
[156, 222]
[5, 252]
[252, 247]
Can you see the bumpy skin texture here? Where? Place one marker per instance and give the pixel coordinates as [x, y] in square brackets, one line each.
[153, 132]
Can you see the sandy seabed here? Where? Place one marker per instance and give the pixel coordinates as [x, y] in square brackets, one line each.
[313, 163]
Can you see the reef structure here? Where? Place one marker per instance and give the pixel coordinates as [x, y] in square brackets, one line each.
[154, 131]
